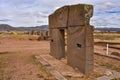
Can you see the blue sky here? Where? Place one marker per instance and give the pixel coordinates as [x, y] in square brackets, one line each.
[35, 12]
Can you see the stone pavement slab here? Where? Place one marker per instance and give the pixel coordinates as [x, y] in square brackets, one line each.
[59, 66]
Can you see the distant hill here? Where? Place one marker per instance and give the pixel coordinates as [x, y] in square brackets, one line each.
[36, 28]
[6, 27]
[108, 29]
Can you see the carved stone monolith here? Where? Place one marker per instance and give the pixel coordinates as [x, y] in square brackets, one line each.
[76, 19]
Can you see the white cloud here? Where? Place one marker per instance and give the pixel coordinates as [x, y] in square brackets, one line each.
[35, 12]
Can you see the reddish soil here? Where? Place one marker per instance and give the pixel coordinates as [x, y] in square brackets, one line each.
[17, 61]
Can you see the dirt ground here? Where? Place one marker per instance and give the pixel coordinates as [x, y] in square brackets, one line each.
[17, 60]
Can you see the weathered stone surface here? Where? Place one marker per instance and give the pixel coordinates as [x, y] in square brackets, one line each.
[75, 19]
[89, 36]
[50, 68]
[52, 21]
[80, 51]
[61, 17]
[57, 45]
[108, 73]
[89, 63]
[79, 14]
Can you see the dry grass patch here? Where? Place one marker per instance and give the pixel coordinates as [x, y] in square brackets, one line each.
[107, 37]
[19, 37]
[3, 64]
[107, 62]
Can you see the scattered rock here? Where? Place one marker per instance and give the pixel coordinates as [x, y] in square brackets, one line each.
[74, 75]
[116, 53]
[76, 69]
[108, 73]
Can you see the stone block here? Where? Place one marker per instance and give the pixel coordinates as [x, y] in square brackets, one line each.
[61, 17]
[89, 63]
[52, 21]
[89, 36]
[80, 49]
[57, 45]
[79, 15]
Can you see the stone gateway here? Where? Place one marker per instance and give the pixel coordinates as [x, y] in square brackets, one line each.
[75, 19]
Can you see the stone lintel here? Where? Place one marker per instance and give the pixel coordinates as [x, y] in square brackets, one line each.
[59, 18]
